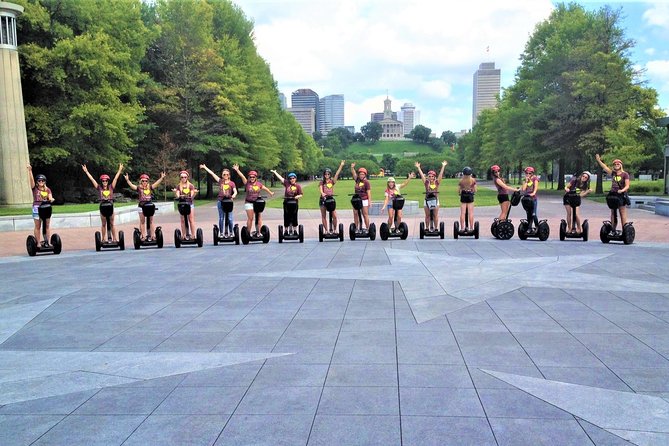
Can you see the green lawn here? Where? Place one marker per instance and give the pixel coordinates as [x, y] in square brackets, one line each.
[60, 209]
[413, 191]
[396, 148]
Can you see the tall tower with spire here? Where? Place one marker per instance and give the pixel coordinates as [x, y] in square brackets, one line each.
[14, 186]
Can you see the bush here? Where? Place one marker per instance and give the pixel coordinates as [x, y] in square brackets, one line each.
[646, 187]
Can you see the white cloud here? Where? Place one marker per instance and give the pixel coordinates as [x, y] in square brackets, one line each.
[657, 15]
[657, 71]
[649, 51]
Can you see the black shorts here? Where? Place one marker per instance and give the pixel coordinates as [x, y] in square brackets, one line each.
[466, 197]
[571, 200]
[501, 198]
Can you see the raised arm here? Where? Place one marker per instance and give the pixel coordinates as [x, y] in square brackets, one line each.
[266, 189]
[235, 167]
[159, 180]
[90, 177]
[536, 187]
[210, 172]
[117, 176]
[341, 166]
[411, 176]
[601, 163]
[276, 174]
[441, 172]
[420, 171]
[127, 180]
[353, 172]
[31, 178]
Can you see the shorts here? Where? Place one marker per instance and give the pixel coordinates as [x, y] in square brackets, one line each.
[248, 206]
[466, 197]
[501, 198]
[389, 206]
[431, 204]
[365, 203]
[35, 212]
[571, 200]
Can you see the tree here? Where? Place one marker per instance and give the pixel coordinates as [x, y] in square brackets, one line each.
[388, 162]
[372, 131]
[420, 133]
[448, 137]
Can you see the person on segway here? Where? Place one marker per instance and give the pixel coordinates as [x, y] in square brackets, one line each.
[326, 188]
[41, 193]
[530, 187]
[432, 182]
[185, 190]
[392, 190]
[578, 187]
[364, 190]
[291, 195]
[145, 195]
[106, 193]
[502, 192]
[467, 190]
[253, 189]
[620, 184]
[226, 190]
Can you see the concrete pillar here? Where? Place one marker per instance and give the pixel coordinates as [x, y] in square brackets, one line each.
[14, 183]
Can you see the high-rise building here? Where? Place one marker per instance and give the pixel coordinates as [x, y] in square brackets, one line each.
[306, 98]
[409, 117]
[487, 81]
[330, 113]
[306, 117]
[282, 101]
[378, 117]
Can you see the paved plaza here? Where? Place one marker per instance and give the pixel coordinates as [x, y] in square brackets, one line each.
[415, 342]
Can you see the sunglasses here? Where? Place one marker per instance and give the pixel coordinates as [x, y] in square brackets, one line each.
[144, 181]
[41, 181]
[184, 176]
[252, 176]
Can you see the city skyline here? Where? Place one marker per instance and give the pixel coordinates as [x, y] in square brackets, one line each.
[424, 53]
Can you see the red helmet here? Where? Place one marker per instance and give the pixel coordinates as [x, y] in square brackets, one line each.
[144, 176]
[184, 172]
[617, 161]
[432, 172]
[529, 169]
[253, 173]
[104, 177]
[495, 168]
[362, 170]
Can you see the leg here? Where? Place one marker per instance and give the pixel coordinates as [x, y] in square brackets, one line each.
[295, 222]
[323, 219]
[249, 220]
[334, 221]
[142, 224]
[567, 208]
[535, 213]
[286, 217]
[470, 208]
[427, 216]
[356, 220]
[463, 207]
[222, 224]
[391, 217]
[37, 230]
[47, 224]
[577, 219]
[103, 227]
[191, 221]
[183, 226]
[113, 229]
[505, 209]
[399, 217]
[365, 215]
[436, 217]
[623, 215]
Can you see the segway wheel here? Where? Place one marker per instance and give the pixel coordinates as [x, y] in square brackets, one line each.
[136, 239]
[421, 230]
[235, 231]
[628, 234]
[320, 232]
[264, 230]
[372, 231]
[245, 235]
[341, 232]
[586, 228]
[383, 231]
[604, 233]
[522, 231]
[31, 246]
[441, 230]
[159, 237]
[563, 230]
[280, 234]
[351, 231]
[505, 230]
[300, 233]
[544, 231]
[98, 241]
[199, 237]
[476, 230]
[404, 231]
[58, 245]
[493, 228]
[121, 240]
[215, 235]
[177, 238]
[456, 229]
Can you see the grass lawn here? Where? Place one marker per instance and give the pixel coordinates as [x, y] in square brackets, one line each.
[413, 192]
[60, 209]
[396, 148]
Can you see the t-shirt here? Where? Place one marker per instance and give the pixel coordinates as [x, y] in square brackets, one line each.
[186, 191]
[530, 185]
[145, 194]
[467, 189]
[106, 194]
[390, 193]
[291, 189]
[501, 187]
[40, 195]
[328, 187]
[576, 186]
[362, 187]
[618, 180]
[253, 191]
[432, 188]
[225, 190]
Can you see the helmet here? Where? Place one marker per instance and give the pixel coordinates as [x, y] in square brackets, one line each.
[467, 171]
[391, 179]
[495, 168]
[529, 169]
[617, 161]
[432, 172]
[184, 172]
[144, 176]
[104, 177]
[292, 175]
[40, 177]
[253, 173]
[585, 172]
[362, 170]
[327, 170]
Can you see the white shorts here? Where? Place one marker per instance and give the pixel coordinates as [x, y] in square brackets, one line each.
[431, 204]
[365, 203]
[248, 206]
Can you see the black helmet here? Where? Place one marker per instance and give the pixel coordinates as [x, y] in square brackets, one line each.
[467, 171]
[40, 177]
[327, 170]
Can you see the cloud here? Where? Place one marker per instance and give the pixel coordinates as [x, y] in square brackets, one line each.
[657, 71]
[657, 15]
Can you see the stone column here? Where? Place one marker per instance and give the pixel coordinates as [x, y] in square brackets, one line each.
[14, 183]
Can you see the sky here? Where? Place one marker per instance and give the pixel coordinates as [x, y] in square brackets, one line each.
[424, 52]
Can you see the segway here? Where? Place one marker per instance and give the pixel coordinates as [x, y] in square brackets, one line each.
[361, 232]
[330, 206]
[574, 201]
[107, 210]
[526, 229]
[466, 231]
[290, 233]
[224, 235]
[503, 229]
[148, 210]
[260, 234]
[608, 232]
[55, 246]
[431, 230]
[396, 231]
[184, 209]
